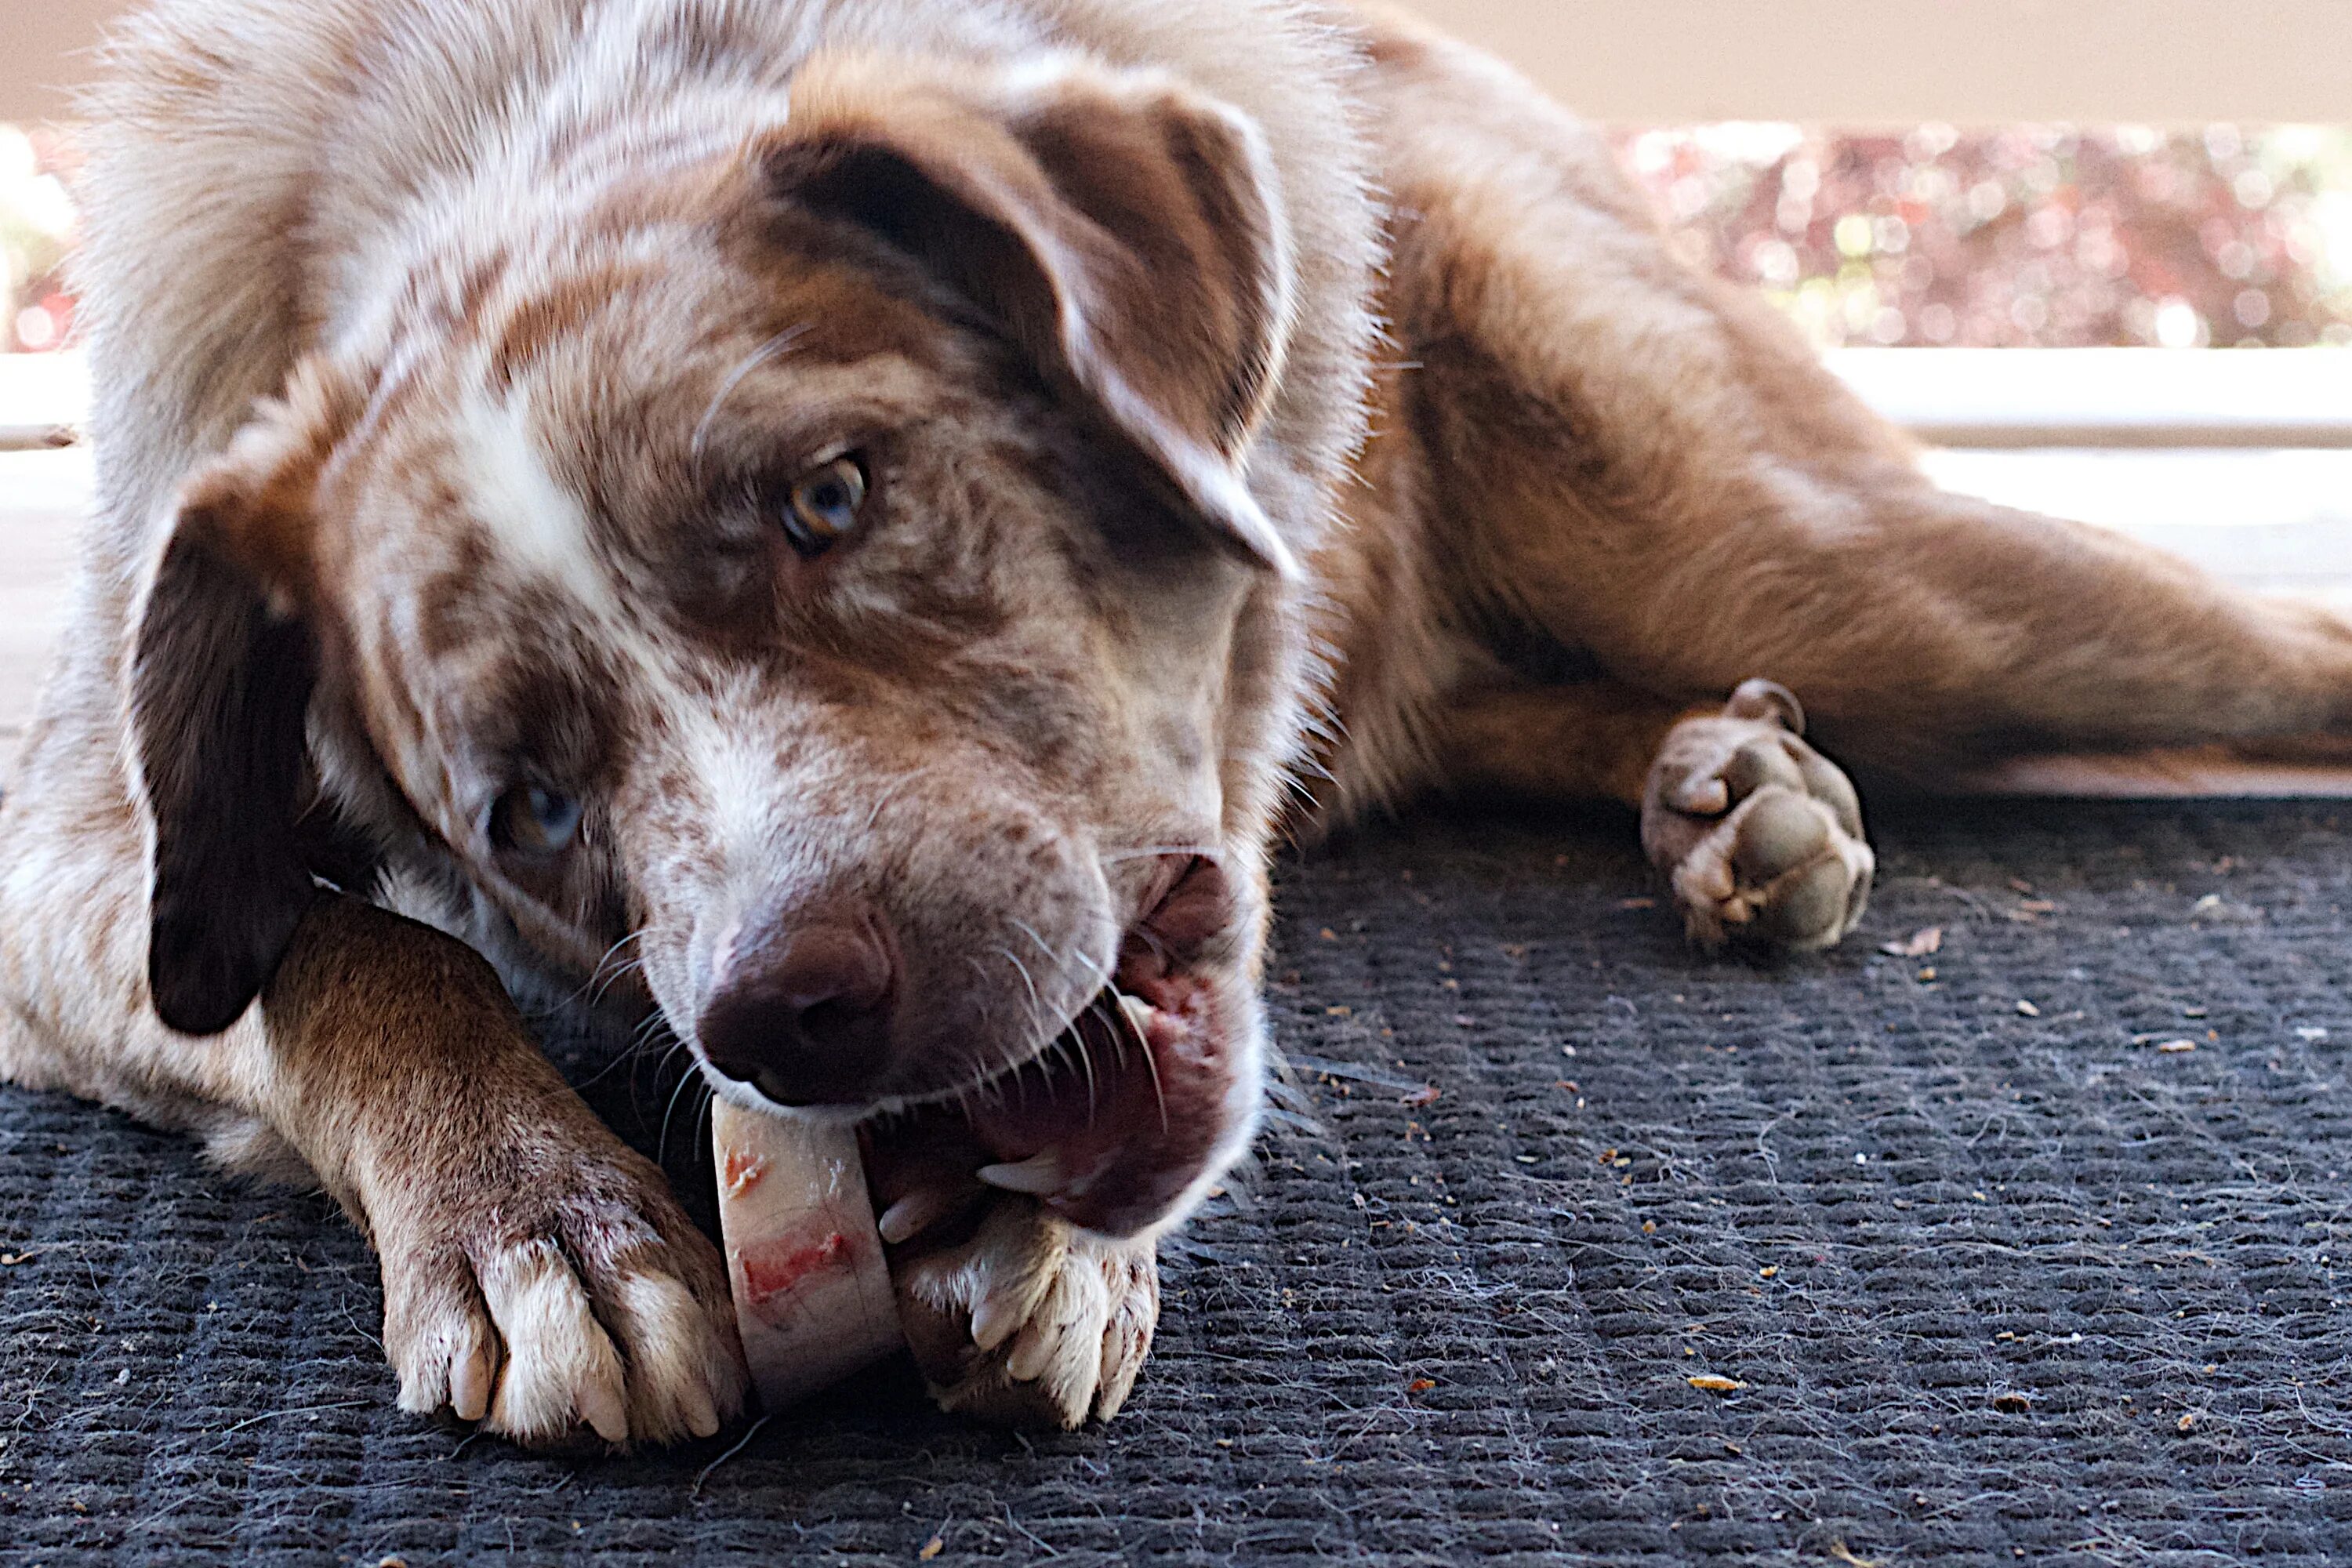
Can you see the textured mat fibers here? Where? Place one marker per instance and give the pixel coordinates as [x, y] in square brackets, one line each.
[2030, 1247]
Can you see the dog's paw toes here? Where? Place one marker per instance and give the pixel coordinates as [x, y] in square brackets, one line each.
[605, 1320]
[562, 1369]
[1028, 1322]
[1084, 1344]
[1131, 1275]
[1759, 834]
[684, 1364]
[441, 1343]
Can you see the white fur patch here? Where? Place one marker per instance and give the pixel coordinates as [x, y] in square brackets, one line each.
[540, 526]
[415, 897]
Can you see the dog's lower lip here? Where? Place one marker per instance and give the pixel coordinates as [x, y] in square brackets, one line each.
[1112, 1121]
[1107, 1126]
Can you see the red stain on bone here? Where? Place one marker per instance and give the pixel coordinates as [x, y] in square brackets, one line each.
[781, 1265]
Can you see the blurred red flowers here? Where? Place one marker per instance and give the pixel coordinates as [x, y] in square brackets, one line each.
[2022, 236]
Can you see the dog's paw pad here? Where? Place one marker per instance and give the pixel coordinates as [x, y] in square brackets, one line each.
[1026, 1321]
[1759, 835]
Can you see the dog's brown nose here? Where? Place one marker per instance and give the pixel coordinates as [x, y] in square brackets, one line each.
[802, 1011]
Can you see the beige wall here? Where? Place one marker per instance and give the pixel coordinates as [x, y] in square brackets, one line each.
[1671, 60]
[39, 41]
[1855, 61]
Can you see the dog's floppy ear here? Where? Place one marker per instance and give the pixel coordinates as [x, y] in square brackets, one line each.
[1125, 231]
[222, 667]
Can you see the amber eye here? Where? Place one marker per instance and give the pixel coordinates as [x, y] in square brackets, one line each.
[823, 507]
[529, 820]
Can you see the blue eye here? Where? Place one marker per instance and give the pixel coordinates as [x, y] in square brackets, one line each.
[531, 820]
[824, 505]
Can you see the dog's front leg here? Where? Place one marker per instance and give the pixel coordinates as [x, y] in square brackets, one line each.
[537, 1276]
[1015, 1316]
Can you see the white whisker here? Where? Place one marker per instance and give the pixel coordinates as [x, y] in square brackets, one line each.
[751, 362]
[1036, 1002]
[1061, 962]
[1086, 1065]
[614, 978]
[597, 981]
[1158, 1092]
[661, 1150]
[901, 782]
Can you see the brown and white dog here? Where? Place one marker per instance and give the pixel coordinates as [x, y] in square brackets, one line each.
[852, 520]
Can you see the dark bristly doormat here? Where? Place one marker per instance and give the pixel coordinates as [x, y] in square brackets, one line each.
[2015, 1230]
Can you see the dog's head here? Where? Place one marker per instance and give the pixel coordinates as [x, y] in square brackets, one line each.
[824, 572]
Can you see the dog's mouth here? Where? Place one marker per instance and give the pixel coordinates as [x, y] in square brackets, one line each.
[1115, 1121]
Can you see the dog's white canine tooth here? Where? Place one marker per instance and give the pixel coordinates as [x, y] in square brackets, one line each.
[1036, 1177]
[902, 1220]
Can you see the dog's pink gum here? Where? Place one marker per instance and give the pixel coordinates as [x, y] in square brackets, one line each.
[812, 1296]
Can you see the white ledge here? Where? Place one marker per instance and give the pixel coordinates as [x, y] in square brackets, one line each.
[2108, 397]
[44, 398]
[2184, 398]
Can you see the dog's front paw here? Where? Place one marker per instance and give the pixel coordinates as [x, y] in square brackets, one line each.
[1027, 1321]
[1759, 834]
[556, 1292]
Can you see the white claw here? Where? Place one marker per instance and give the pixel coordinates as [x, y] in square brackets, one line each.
[993, 1321]
[700, 1412]
[474, 1380]
[917, 1213]
[600, 1406]
[1036, 1175]
[1032, 1354]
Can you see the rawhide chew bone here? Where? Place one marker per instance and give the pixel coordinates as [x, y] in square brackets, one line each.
[812, 1297]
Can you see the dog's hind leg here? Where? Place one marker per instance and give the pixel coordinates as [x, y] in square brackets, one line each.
[1650, 468]
[1758, 835]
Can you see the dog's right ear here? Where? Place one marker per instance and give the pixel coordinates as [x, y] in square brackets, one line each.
[1124, 231]
[222, 669]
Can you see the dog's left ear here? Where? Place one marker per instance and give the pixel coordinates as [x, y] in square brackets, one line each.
[221, 673]
[1125, 231]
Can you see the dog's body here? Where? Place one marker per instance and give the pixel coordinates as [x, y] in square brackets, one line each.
[446, 356]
